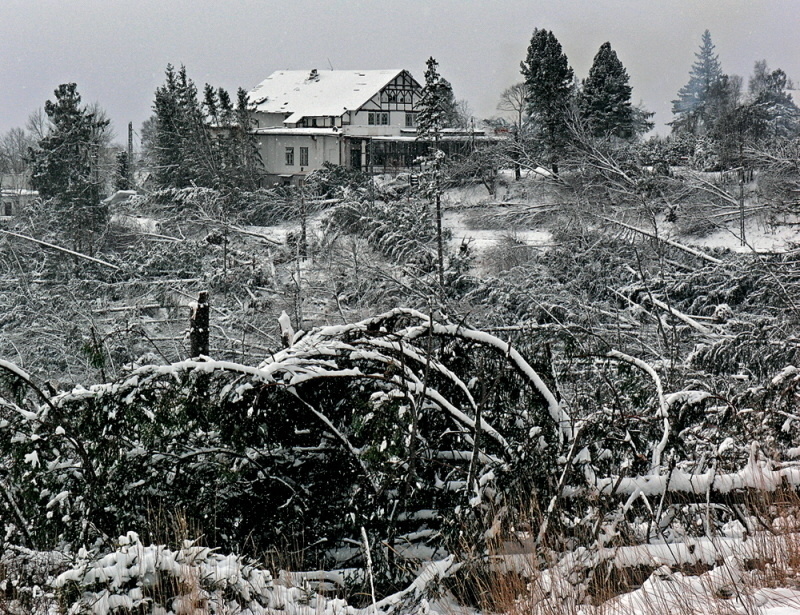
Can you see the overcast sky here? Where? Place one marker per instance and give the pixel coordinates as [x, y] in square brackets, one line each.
[117, 50]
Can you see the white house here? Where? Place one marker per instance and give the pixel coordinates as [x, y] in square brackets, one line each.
[354, 118]
[14, 200]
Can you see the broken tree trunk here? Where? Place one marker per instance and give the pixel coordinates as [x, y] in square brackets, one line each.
[52, 246]
[198, 326]
[669, 242]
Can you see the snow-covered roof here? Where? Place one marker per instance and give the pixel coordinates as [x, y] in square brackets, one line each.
[280, 130]
[303, 93]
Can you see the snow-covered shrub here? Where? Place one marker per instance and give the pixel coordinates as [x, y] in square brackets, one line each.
[509, 252]
[26, 577]
[176, 207]
[706, 156]
[132, 577]
[156, 579]
[672, 150]
[336, 181]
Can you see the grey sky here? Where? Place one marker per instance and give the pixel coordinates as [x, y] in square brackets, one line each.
[116, 50]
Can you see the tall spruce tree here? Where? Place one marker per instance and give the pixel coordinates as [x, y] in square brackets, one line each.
[245, 146]
[434, 109]
[210, 103]
[168, 135]
[122, 172]
[605, 98]
[65, 166]
[548, 77]
[693, 109]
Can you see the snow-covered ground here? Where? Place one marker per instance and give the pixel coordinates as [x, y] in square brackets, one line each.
[480, 239]
[758, 236]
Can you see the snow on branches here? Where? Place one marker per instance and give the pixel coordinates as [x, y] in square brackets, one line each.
[430, 436]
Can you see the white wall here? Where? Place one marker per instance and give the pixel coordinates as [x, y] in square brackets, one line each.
[360, 125]
[269, 120]
[321, 148]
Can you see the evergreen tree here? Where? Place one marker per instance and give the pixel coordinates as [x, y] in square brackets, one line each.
[774, 112]
[693, 107]
[122, 174]
[250, 164]
[65, 167]
[452, 115]
[548, 77]
[225, 106]
[436, 105]
[210, 102]
[182, 150]
[434, 109]
[169, 127]
[605, 99]
[208, 144]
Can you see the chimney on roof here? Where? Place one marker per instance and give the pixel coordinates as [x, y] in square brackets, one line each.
[314, 76]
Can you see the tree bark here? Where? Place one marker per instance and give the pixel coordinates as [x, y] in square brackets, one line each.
[198, 327]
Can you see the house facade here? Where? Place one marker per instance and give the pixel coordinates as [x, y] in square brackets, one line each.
[357, 119]
[15, 200]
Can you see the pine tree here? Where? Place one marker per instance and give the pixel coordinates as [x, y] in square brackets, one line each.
[207, 144]
[210, 105]
[122, 173]
[548, 77]
[65, 165]
[605, 99]
[693, 107]
[452, 115]
[434, 111]
[183, 150]
[167, 136]
[775, 114]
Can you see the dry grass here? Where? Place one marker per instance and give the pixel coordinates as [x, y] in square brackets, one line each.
[762, 567]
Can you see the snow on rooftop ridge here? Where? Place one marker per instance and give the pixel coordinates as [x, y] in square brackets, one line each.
[304, 93]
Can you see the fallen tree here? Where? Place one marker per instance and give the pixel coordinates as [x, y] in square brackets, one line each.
[413, 436]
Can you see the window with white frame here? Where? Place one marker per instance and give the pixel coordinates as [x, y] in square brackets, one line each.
[289, 156]
[410, 120]
[303, 156]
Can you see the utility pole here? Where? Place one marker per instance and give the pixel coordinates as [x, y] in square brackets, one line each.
[303, 247]
[371, 167]
[130, 154]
